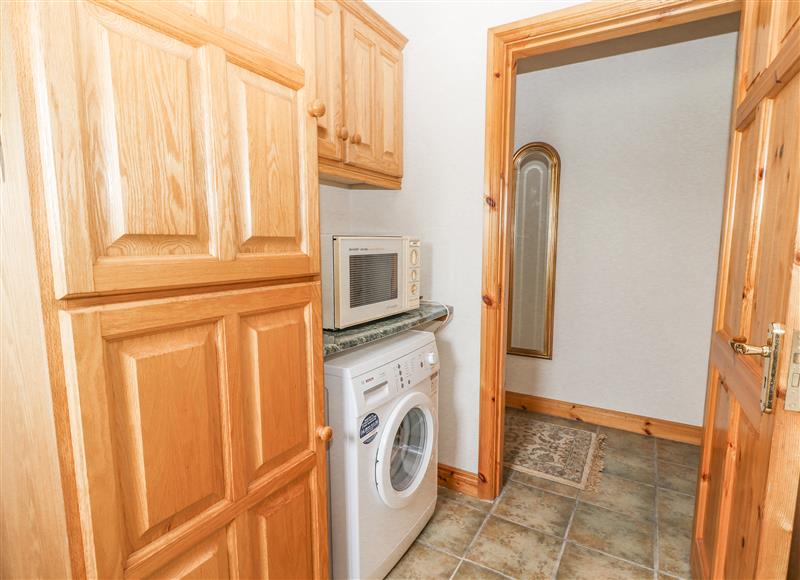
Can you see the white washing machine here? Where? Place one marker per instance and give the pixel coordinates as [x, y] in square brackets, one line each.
[382, 405]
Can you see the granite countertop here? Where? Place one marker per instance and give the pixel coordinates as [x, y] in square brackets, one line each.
[336, 341]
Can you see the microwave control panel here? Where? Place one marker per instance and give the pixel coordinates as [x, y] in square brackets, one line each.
[413, 269]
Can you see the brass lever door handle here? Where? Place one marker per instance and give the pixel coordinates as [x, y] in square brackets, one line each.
[769, 352]
[740, 347]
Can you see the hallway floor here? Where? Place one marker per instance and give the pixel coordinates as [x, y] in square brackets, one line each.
[636, 523]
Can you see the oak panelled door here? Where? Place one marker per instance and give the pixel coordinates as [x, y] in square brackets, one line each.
[175, 141]
[748, 481]
[172, 146]
[198, 420]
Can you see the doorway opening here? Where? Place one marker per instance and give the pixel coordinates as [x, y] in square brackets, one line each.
[609, 104]
[757, 278]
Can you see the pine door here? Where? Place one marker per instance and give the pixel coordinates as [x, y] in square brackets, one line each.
[747, 489]
[195, 424]
[174, 139]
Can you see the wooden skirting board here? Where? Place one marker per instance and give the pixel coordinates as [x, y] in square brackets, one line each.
[606, 418]
[459, 480]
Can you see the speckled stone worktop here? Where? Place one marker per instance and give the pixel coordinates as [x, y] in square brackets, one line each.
[336, 341]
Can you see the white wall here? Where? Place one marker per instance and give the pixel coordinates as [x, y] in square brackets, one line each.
[643, 143]
[445, 101]
[441, 199]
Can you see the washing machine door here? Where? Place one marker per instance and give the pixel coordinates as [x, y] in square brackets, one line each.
[405, 449]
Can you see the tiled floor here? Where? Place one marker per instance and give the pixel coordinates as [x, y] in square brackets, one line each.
[635, 524]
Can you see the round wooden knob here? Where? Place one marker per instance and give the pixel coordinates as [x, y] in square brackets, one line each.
[317, 108]
[343, 133]
[356, 139]
[325, 433]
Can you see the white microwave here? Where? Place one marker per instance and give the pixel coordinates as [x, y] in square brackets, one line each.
[368, 277]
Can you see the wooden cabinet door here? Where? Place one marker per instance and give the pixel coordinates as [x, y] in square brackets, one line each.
[389, 89]
[373, 99]
[194, 422]
[273, 26]
[331, 132]
[747, 490]
[360, 99]
[171, 140]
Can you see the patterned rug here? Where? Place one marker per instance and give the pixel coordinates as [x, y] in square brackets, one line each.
[570, 456]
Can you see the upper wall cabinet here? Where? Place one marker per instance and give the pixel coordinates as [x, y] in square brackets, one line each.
[331, 132]
[359, 96]
[174, 140]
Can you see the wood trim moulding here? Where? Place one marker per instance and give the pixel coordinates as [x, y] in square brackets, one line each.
[780, 71]
[375, 21]
[607, 418]
[577, 26]
[598, 21]
[340, 174]
[187, 27]
[458, 480]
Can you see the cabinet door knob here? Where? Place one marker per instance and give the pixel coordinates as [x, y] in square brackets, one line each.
[343, 133]
[325, 433]
[356, 139]
[317, 108]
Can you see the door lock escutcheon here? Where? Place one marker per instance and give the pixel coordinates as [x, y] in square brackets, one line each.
[793, 380]
[770, 352]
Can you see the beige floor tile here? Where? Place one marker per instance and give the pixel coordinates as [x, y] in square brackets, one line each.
[627, 442]
[681, 453]
[479, 504]
[507, 473]
[470, 571]
[622, 495]
[515, 550]
[423, 562]
[674, 549]
[452, 526]
[675, 513]
[545, 484]
[578, 563]
[674, 508]
[616, 534]
[677, 477]
[638, 467]
[535, 508]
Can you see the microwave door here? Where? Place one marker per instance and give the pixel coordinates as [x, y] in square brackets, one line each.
[370, 279]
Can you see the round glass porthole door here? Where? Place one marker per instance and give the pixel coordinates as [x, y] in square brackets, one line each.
[408, 449]
[404, 453]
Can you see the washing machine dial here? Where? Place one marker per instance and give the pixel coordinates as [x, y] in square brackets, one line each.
[432, 358]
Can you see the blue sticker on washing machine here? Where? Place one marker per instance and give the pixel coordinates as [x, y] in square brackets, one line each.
[369, 426]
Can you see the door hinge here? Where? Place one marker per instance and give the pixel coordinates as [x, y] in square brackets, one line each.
[793, 380]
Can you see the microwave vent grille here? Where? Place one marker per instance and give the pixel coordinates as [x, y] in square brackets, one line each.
[373, 279]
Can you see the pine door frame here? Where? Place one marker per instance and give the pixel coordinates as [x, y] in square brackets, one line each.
[507, 44]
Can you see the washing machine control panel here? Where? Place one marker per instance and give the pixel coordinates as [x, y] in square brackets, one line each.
[375, 387]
